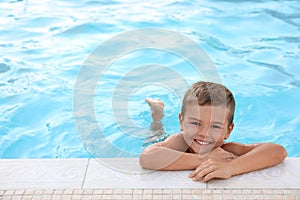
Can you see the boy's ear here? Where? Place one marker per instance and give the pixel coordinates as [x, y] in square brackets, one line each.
[230, 128]
[180, 121]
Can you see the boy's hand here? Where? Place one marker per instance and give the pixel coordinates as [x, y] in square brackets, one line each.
[212, 169]
[220, 155]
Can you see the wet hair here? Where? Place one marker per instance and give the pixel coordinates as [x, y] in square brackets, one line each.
[212, 94]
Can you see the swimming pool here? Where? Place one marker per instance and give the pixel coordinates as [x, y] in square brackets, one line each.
[253, 44]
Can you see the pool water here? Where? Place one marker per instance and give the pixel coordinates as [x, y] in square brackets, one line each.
[255, 46]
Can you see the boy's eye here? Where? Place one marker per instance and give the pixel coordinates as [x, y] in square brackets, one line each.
[195, 123]
[216, 126]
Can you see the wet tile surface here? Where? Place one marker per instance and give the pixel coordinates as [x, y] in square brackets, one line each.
[284, 175]
[42, 173]
[127, 173]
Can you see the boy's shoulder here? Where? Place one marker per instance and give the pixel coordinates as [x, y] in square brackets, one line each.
[176, 136]
[176, 142]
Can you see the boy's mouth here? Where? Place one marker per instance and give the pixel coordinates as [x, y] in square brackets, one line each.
[202, 142]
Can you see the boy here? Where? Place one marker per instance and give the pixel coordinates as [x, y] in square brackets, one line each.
[206, 120]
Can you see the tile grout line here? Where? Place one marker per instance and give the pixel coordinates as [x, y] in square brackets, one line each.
[85, 173]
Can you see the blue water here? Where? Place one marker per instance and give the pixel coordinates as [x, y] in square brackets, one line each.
[255, 46]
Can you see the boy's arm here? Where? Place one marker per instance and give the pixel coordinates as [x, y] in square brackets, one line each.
[250, 158]
[254, 156]
[171, 155]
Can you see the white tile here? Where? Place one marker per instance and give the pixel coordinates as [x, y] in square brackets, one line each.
[42, 173]
[127, 173]
[284, 175]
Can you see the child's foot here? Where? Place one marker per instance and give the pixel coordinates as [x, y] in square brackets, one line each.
[157, 108]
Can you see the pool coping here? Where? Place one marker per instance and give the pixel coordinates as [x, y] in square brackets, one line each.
[126, 173]
[123, 178]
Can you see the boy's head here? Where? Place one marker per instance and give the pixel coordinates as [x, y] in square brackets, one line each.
[211, 94]
[206, 117]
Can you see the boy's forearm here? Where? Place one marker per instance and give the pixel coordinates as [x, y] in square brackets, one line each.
[262, 156]
[163, 158]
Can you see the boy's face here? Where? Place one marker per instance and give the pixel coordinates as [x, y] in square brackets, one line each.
[205, 127]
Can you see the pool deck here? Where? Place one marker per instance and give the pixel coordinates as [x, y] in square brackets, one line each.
[123, 178]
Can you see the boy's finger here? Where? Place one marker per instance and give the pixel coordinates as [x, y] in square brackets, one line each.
[208, 177]
[202, 174]
[195, 172]
[205, 165]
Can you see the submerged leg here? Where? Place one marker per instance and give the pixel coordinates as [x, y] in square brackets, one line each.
[157, 108]
[158, 133]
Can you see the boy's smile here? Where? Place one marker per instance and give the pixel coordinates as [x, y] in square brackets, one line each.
[205, 127]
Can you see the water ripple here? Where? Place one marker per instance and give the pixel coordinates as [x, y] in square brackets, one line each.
[295, 83]
[288, 39]
[4, 68]
[88, 29]
[216, 43]
[275, 67]
[293, 19]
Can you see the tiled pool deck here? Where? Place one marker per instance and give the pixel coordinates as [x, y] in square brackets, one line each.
[124, 179]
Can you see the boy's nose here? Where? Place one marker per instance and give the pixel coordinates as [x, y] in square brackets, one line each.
[203, 132]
